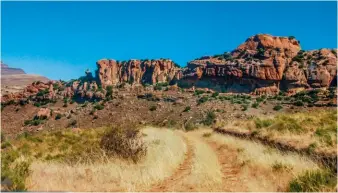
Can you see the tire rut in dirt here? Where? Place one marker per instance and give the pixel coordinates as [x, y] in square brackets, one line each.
[182, 171]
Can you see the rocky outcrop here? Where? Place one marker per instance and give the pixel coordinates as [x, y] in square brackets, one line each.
[112, 72]
[263, 64]
[44, 113]
[312, 69]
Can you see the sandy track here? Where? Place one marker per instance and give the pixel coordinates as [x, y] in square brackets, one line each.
[229, 168]
[182, 171]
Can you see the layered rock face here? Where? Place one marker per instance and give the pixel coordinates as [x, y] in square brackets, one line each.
[111, 72]
[263, 64]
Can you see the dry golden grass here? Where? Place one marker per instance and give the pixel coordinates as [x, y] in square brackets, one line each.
[199, 160]
[165, 152]
[260, 168]
[317, 129]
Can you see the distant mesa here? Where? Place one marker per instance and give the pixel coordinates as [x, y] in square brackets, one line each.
[16, 79]
[6, 70]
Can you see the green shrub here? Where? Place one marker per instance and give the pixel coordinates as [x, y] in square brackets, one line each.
[203, 99]
[285, 123]
[199, 92]
[210, 118]
[58, 116]
[277, 107]
[35, 121]
[37, 104]
[153, 108]
[215, 94]
[260, 99]
[42, 92]
[189, 126]
[124, 141]
[313, 181]
[292, 37]
[255, 105]
[157, 87]
[298, 103]
[109, 93]
[262, 123]
[5, 144]
[187, 109]
[244, 107]
[206, 134]
[260, 52]
[99, 107]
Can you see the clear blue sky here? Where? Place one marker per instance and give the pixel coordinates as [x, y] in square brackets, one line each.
[63, 39]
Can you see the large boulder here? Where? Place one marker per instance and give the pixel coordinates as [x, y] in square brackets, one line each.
[44, 113]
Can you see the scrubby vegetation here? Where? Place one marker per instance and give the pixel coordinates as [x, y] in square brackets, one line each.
[125, 141]
[153, 108]
[35, 121]
[314, 181]
[209, 118]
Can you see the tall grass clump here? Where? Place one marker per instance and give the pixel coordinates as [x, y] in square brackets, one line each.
[314, 181]
[124, 141]
[210, 118]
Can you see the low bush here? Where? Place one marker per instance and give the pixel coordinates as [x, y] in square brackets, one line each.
[215, 94]
[35, 121]
[153, 108]
[99, 107]
[314, 181]
[244, 107]
[255, 105]
[209, 118]
[199, 92]
[261, 123]
[298, 103]
[190, 126]
[58, 116]
[203, 99]
[124, 141]
[187, 109]
[287, 123]
[277, 107]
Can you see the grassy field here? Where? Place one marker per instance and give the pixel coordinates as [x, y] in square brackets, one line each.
[313, 130]
[198, 160]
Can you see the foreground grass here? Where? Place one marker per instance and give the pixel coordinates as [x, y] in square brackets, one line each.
[165, 151]
[315, 130]
[266, 169]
